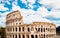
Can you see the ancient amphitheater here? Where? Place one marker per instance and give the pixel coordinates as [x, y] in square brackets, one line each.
[15, 28]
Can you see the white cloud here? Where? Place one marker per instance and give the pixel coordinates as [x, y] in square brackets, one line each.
[53, 3]
[35, 18]
[3, 8]
[8, 2]
[31, 1]
[57, 23]
[14, 7]
[30, 4]
[42, 11]
[3, 18]
[24, 1]
[54, 13]
[32, 16]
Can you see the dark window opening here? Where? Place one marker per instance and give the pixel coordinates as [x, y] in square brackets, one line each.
[44, 35]
[19, 29]
[16, 29]
[41, 29]
[36, 36]
[16, 36]
[27, 36]
[28, 30]
[38, 29]
[23, 28]
[19, 23]
[44, 29]
[13, 29]
[23, 36]
[13, 36]
[19, 36]
[32, 36]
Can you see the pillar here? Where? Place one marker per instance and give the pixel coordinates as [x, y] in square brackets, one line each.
[14, 35]
[38, 35]
[29, 35]
[25, 36]
[17, 29]
[21, 29]
[21, 35]
[17, 35]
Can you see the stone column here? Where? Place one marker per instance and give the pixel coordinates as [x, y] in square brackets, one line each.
[21, 29]
[34, 29]
[25, 36]
[17, 35]
[34, 35]
[38, 35]
[21, 35]
[14, 35]
[29, 35]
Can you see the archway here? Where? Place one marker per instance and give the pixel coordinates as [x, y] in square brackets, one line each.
[23, 36]
[28, 29]
[36, 36]
[32, 36]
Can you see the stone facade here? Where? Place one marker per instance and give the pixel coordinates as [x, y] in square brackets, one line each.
[15, 28]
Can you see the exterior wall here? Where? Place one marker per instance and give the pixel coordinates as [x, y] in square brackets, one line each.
[15, 28]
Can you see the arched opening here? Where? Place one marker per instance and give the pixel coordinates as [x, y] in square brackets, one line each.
[36, 36]
[19, 28]
[16, 36]
[44, 35]
[13, 29]
[23, 28]
[23, 36]
[28, 29]
[13, 36]
[44, 29]
[16, 29]
[32, 36]
[41, 29]
[38, 29]
[27, 36]
[19, 36]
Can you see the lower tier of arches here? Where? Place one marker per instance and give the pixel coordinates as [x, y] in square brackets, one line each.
[30, 36]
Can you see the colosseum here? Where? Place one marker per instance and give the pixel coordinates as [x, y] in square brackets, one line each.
[15, 28]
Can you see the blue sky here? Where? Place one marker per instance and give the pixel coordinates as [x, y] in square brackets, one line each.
[35, 10]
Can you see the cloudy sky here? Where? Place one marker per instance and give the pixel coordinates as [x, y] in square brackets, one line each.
[32, 10]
